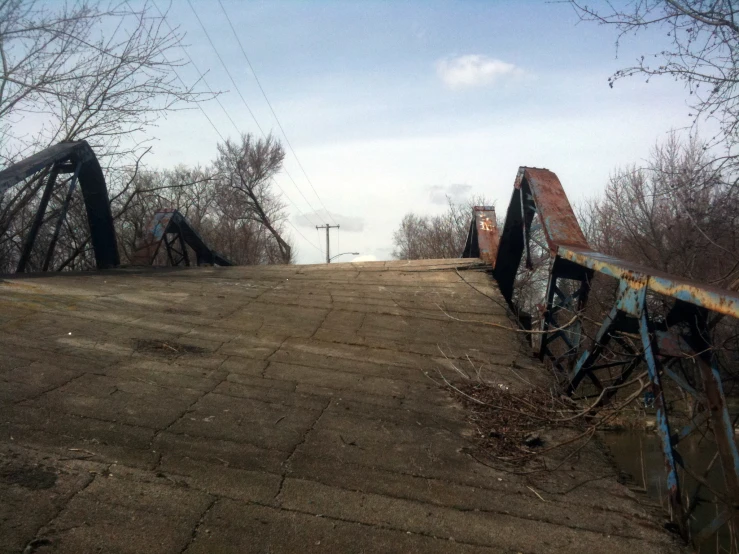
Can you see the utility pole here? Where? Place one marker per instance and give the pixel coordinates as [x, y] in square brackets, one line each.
[327, 227]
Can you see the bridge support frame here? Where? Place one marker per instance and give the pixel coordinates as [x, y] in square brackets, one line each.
[539, 202]
[174, 230]
[79, 159]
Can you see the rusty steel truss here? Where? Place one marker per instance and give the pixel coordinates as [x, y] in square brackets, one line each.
[540, 205]
[78, 160]
[174, 231]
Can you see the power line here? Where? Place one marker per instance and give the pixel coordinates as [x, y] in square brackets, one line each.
[164, 19]
[302, 235]
[200, 73]
[301, 213]
[180, 78]
[277, 119]
[203, 111]
[202, 26]
[215, 128]
[215, 96]
[225, 68]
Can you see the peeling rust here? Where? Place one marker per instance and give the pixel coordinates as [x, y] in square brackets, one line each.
[148, 248]
[483, 237]
[487, 233]
[554, 209]
[683, 332]
[706, 296]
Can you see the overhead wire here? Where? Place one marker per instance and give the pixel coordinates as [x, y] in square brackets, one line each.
[225, 111]
[202, 77]
[271, 109]
[302, 235]
[301, 213]
[183, 82]
[236, 86]
[200, 73]
[218, 54]
[215, 128]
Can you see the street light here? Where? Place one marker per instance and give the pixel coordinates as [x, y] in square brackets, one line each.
[343, 254]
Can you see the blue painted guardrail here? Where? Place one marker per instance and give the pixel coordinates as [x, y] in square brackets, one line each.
[539, 203]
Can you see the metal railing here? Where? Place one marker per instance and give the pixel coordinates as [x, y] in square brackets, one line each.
[539, 208]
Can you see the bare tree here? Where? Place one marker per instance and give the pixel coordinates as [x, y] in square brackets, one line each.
[87, 70]
[213, 208]
[704, 39]
[244, 184]
[408, 239]
[189, 190]
[83, 69]
[676, 214]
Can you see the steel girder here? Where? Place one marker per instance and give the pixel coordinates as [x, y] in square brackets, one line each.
[171, 228]
[78, 159]
[683, 334]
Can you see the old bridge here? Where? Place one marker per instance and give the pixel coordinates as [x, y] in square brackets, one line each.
[299, 408]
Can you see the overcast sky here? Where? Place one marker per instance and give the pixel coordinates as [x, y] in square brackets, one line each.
[390, 106]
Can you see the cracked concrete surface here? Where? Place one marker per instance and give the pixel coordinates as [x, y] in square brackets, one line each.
[275, 409]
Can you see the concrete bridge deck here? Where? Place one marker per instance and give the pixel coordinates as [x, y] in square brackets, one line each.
[274, 409]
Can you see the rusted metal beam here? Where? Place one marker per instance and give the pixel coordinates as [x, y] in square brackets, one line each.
[663, 425]
[155, 230]
[61, 218]
[511, 246]
[715, 401]
[56, 154]
[706, 296]
[483, 238]
[183, 247]
[555, 212]
[683, 333]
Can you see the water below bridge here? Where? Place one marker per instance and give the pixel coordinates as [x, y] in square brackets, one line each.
[638, 455]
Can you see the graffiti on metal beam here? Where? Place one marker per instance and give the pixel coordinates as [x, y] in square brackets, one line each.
[482, 240]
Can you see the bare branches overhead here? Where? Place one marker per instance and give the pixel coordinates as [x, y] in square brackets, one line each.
[675, 214]
[703, 41]
[84, 69]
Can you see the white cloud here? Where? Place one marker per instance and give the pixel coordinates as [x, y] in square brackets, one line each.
[474, 70]
[456, 193]
[352, 224]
